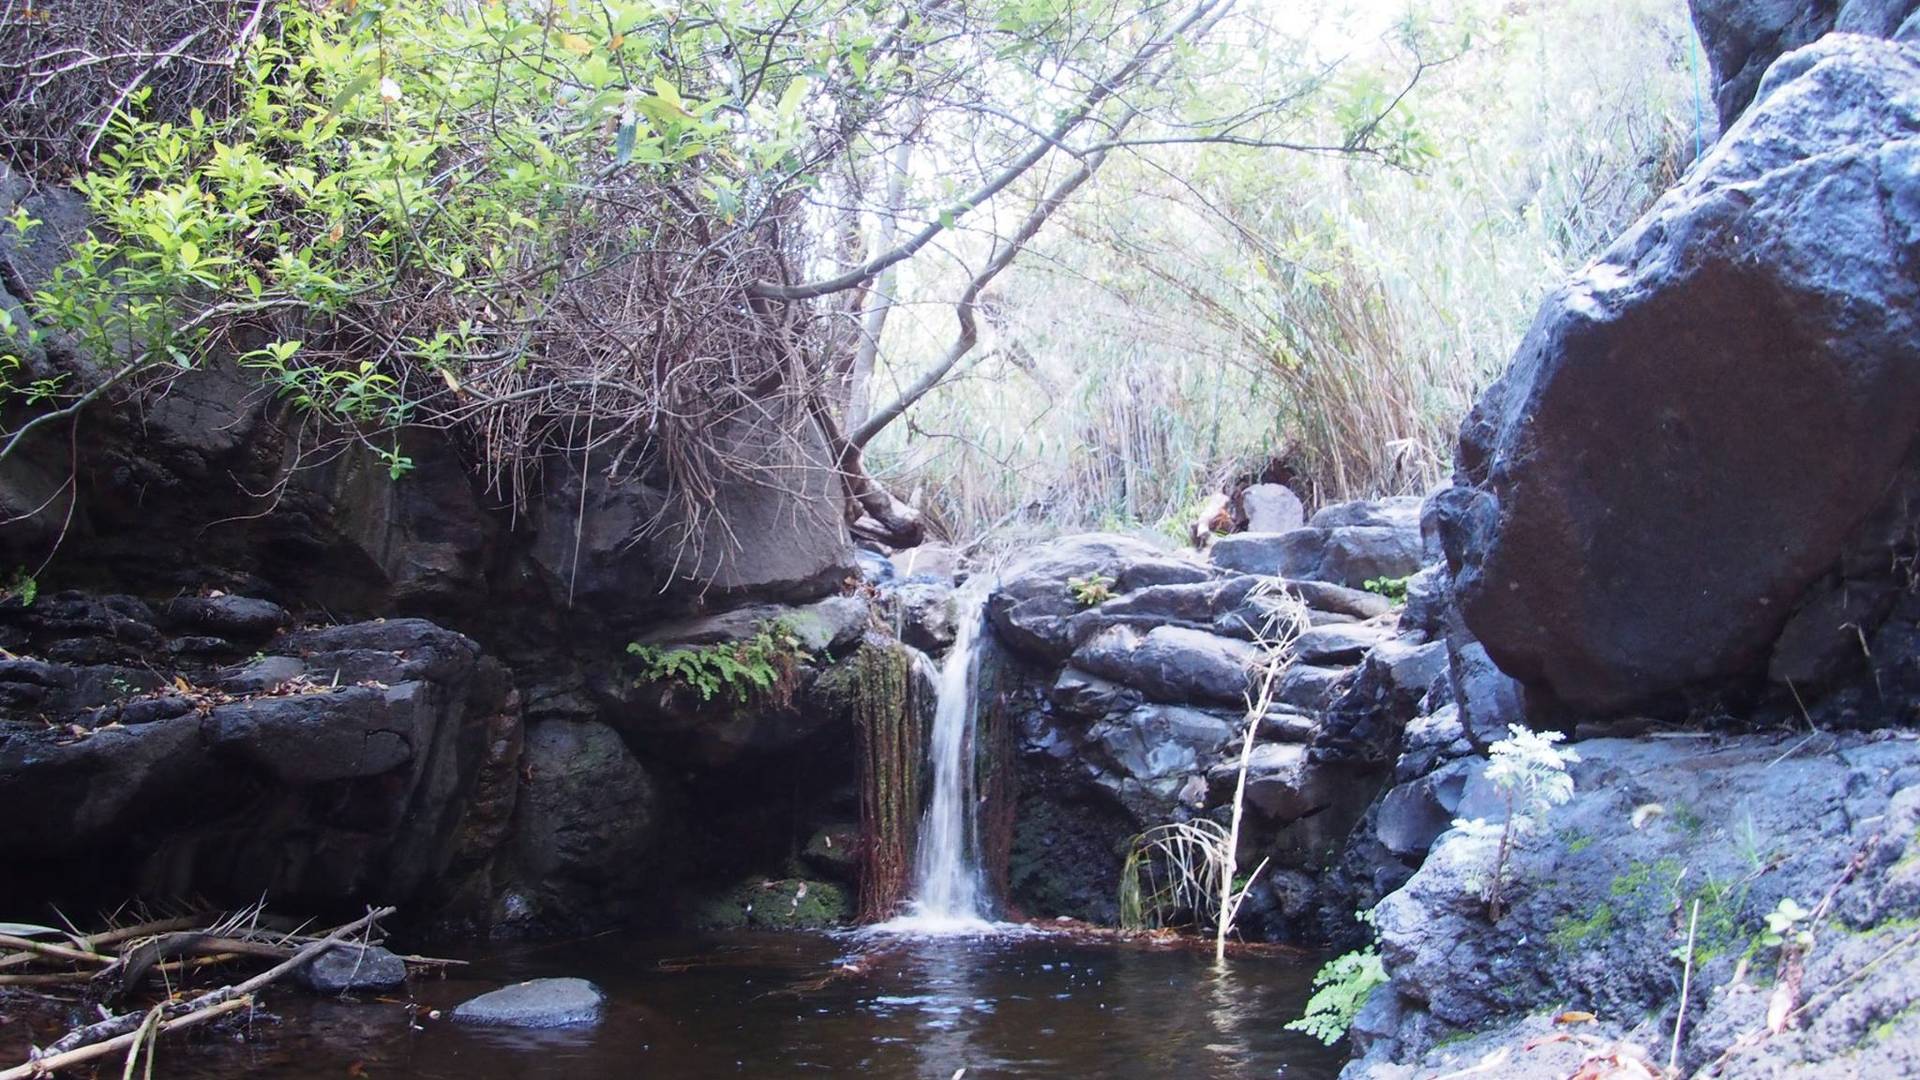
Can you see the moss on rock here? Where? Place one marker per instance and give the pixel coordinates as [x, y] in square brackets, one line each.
[786, 904]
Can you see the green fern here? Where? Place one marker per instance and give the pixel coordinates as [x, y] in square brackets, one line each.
[761, 667]
[1340, 990]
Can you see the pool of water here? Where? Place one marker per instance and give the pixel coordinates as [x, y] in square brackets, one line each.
[805, 1005]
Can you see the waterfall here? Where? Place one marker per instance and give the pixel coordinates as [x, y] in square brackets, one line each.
[947, 889]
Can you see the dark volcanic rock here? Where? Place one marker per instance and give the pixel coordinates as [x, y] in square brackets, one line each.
[239, 618]
[1034, 605]
[1597, 908]
[1743, 38]
[321, 792]
[1349, 544]
[349, 969]
[1171, 663]
[583, 830]
[1751, 350]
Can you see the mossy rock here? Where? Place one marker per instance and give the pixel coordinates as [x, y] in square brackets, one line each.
[786, 904]
[834, 851]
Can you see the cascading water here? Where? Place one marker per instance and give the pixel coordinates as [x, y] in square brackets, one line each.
[946, 871]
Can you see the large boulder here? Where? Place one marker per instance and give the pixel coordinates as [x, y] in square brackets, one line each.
[1704, 421]
[336, 770]
[583, 831]
[1743, 38]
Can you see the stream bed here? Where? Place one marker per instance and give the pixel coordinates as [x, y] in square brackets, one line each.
[764, 1006]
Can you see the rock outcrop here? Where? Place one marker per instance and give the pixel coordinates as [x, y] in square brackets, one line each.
[1702, 458]
[1743, 38]
[1600, 900]
[458, 729]
[333, 766]
[1128, 702]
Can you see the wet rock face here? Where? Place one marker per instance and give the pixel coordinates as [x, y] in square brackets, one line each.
[1743, 38]
[1705, 420]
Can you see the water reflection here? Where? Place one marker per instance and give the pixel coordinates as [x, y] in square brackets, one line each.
[1032, 1006]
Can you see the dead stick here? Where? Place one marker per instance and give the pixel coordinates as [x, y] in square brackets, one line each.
[146, 929]
[52, 978]
[433, 961]
[112, 937]
[66, 1059]
[126, 1022]
[58, 952]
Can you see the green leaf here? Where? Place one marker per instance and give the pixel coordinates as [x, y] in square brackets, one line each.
[352, 90]
[796, 93]
[623, 141]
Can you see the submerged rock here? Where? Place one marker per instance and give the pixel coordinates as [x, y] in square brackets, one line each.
[537, 1003]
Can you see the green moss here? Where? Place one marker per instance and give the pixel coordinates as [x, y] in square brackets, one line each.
[1889, 1027]
[1686, 818]
[1576, 841]
[790, 904]
[1641, 875]
[1570, 933]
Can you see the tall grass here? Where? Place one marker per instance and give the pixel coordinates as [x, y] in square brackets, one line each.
[1207, 309]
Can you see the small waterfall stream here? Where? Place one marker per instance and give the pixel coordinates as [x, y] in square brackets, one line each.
[947, 889]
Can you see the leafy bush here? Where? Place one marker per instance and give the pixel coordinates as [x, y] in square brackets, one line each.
[761, 667]
[1091, 590]
[1341, 990]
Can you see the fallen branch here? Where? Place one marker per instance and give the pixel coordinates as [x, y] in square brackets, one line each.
[67, 1059]
[57, 952]
[125, 1023]
[95, 942]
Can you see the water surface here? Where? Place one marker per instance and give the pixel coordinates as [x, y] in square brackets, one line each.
[783, 1005]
